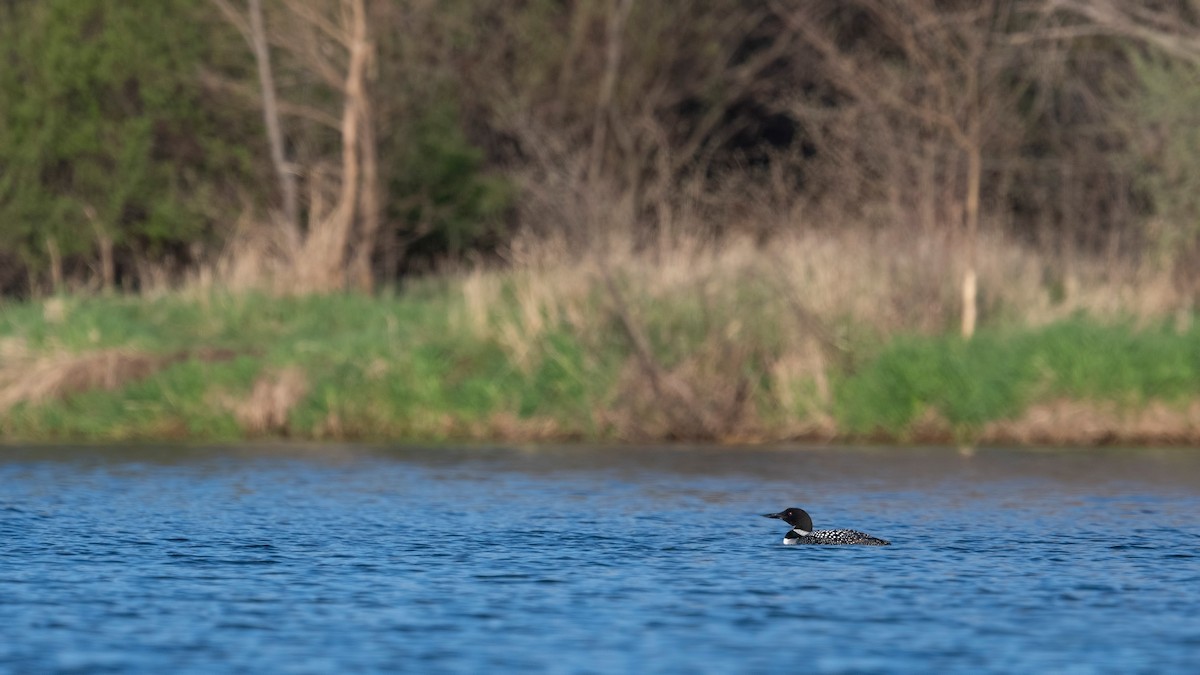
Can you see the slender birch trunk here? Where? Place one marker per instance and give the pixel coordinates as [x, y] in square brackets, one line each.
[270, 109]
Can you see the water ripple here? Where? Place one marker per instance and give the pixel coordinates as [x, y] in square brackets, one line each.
[569, 560]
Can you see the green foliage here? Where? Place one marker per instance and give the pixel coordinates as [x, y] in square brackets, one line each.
[1118, 363]
[562, 380]
[103, 127]
[997, 375]
[442, 192]
[969, 382]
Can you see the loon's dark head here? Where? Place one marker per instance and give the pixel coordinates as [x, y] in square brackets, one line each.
[797, 518]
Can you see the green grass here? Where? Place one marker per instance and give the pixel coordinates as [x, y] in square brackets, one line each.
[998, 374]
[403, 366]
[384, 366]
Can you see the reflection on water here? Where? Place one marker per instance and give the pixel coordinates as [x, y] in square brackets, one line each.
[319, 558]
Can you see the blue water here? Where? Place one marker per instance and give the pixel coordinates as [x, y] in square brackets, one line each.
[315, 559]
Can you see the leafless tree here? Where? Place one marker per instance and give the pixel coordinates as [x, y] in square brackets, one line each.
[1172, 26]
[933, 69]
[628, 106]
[329, 44]
[253, 30]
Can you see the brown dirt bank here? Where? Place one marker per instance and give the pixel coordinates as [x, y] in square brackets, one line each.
[1061, 422]
[1064, 422]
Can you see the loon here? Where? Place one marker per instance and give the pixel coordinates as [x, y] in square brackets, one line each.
[802, 531]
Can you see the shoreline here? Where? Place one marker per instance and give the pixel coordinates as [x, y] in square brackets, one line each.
[424, 367]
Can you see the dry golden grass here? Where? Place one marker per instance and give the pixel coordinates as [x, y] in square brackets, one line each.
[806, 291]
[35, 379]
[690, 338]
[266, 409]
[258, 256]
[30, 377]
[891, 281]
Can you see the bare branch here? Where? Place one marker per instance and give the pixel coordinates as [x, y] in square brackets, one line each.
[216, 81]
[304, 10]
[236, 19]
[1161, 28]
[865, 85]
[1059, 34]
[618, 14]
[270, 111]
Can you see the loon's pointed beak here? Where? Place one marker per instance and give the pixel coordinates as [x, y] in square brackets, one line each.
[773, 515]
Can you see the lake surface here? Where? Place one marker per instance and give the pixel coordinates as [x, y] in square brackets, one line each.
[314, 559]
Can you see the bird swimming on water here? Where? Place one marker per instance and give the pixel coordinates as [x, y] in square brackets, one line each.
[802, 531]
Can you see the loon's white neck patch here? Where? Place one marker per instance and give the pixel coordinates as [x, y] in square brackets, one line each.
[794, 535]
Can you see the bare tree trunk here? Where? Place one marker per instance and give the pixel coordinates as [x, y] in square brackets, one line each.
[321, 266]
[321, 259]
[370, 203]
[618, 12]
[56, 266]
[253, 30]
[971, 217]
[270, 110]
[973, 138]
[108, 268]
[975, 173]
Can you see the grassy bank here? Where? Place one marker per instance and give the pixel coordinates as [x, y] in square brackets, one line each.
[739, 344]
